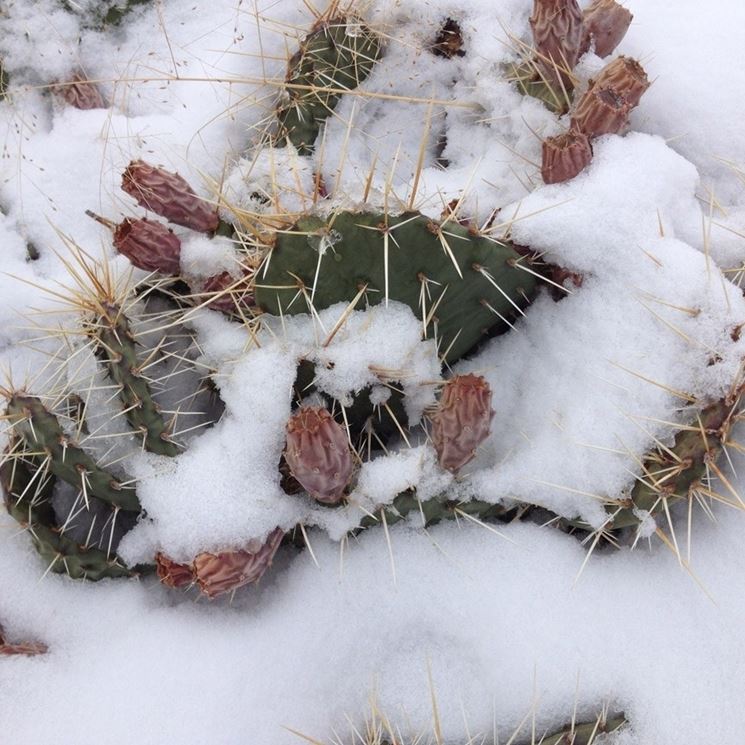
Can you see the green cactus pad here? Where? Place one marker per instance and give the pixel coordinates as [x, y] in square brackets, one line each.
[335, 57]
[43, 434]
[433, 511]
[116, 347]
[672, 474]
[27, 492]
[408, 258]
[529, 83]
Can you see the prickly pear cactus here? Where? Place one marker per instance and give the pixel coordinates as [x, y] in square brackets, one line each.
[412, 281]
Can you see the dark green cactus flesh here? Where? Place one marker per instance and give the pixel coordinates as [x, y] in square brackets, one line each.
[116, 347]
[27, 490]
[42, 433]
[530, 83]
[463, 285]
[433, 511]
[335, 57]
[586, 733]
[672, 474]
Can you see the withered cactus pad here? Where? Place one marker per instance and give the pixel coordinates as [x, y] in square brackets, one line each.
[558, 34]
[149, 245]
[606, 23]
[318, 454]
[565, 156]
[461, 422]
[170, 196]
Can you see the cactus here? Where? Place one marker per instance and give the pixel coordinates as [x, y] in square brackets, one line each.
[461, 422]
[565, 156]
[223, 572]
[169, 195]
[605, 25]
[318, 454]
[80, 93]
[115, 346]
[336, 56]
[561, 35]
[558, 33]
[28, 482]
[462, 284]
[42, 433]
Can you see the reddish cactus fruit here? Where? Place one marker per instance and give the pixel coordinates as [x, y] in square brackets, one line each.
[28, 649]
[557, 37]
[168, 195]
[80, 93]
[171, 573]
[238, 298]
[149, 245]
[626, 77]
[461, 422]
[601, 111]
[606, 23]
[217, 574]
[318, 454]
[565, 156]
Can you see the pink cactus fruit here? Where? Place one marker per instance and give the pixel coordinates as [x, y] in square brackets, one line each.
[238, 298]
[565, 156]
[79, 92]
[606, 23]
[601, 111]
[149, 245]
[29, 649]
[557, 36]
[171, 573]
[626, 77]
[168, 195]
[226, 571]
[461, 422]
[318, 454]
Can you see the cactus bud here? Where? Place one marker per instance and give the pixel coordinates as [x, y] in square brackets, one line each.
[217, 574]
[318, 454]
[149, 245]
[171, 573]
[626, 77]
[80, 93]
[606, 23]
[601, 111]
[557, 37]
[168, 195]
[461, 422]
[565, 156]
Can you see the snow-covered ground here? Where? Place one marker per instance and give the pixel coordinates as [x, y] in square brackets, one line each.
[499, 624]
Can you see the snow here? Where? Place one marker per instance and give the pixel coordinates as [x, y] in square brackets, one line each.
[498, 623]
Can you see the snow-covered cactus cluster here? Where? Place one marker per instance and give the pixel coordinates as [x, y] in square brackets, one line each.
[562, 33]
[320, 274]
